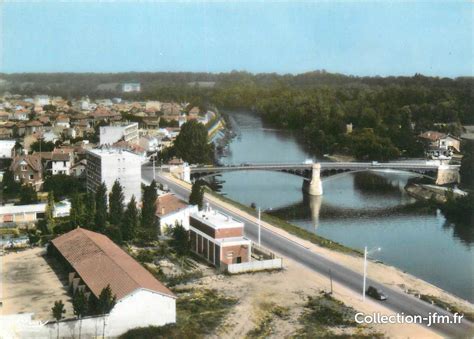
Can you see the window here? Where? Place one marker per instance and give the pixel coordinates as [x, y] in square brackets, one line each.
[23, 167]
[31, 177]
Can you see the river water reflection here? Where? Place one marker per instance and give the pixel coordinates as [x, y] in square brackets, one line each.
[357, 209]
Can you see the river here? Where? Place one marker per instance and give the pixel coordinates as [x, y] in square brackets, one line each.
[357, 209]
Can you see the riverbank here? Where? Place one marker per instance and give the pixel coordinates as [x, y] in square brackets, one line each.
[383, 273]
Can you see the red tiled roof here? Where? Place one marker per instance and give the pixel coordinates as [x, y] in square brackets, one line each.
[100, 262]
[432, 135]
[168, 203]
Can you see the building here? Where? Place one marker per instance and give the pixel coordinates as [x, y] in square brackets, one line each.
[114, 133]
[58, 161]
[27, 169]
[171, 210]
[7, 148]
[218, 238]
[131, 87]
[95, 262]
[42, 100]
[110, 164]
[440, 140]
[31, 213]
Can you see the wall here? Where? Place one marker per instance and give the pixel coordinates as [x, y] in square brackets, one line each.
[181, 216]
[237, 251]
[252, 266]
[141, 308]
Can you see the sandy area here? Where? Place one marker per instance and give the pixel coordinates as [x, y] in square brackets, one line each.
[29, 284]
[290, 288]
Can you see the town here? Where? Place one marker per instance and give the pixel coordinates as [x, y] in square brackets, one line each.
[88, 212]
[244, 169]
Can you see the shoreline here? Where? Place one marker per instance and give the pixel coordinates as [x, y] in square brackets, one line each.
[382, 272]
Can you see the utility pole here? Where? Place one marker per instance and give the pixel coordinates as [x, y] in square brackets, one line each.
[330, 279]
[365, 273]
[154, 171]
[259, 225]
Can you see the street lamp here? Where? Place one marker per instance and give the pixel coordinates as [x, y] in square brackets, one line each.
[260, 222]
[366, 254]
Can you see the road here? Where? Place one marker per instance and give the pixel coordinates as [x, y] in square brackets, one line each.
[397, 300]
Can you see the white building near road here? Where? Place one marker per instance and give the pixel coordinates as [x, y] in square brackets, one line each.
[126, 132]
[110, 164]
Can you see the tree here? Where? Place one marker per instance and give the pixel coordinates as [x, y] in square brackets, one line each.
[467, 165]
[180, 240]
[10, 186]
[105, 303]
[101, 208]
[78, 211]
[27, 195]
[130, 221]
[80, 306]
[42, 146]
[148, 223]
[192, 144]
[197, 194]
[63, 186]
[90, 206]
[49, 213]
[116, 204]
[58, 312]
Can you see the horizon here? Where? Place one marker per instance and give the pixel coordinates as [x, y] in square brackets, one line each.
[355, 39]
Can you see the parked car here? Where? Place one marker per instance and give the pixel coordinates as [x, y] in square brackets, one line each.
[376, 293]
[375, 163]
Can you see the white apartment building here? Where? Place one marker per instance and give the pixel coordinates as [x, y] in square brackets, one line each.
[6, 148]
[111, 134]
[110, 164]
[42, 100]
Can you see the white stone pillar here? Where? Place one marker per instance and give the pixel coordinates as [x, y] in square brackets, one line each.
[316, 186]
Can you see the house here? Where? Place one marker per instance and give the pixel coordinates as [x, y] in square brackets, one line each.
[153, 106]
[58, 161]
[171, 210]
[79, 169]
[131, 87]
[27, 169]
[31, 213]
[149, 143]
[41, 100]
[440, 145]
[218, 238]
[62, 121]
[7, 148]
[95, 262]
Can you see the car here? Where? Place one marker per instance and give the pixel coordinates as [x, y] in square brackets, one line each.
[376, 293]
[375, 163]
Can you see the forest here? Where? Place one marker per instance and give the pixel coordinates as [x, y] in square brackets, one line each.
[386, 113]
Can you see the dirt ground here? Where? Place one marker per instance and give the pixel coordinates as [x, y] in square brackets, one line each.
[30, 285]
[290, 289]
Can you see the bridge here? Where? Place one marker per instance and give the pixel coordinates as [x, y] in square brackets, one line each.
[441, 173]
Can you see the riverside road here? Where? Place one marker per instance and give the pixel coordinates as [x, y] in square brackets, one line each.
[397, 301]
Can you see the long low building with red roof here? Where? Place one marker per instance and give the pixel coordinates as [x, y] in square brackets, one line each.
[94, 262]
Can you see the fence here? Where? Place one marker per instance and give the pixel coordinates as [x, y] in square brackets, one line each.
[251, 266]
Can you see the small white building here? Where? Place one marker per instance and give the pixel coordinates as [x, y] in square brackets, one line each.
[131, 87]
[171, 210]
[149, 143]
[31, 213]
[110, 164]
[114, 133]
[7, 148]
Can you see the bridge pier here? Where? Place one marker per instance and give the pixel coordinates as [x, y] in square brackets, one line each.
[447, 175]
[316, 186]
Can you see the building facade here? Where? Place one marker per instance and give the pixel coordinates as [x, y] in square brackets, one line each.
[27, 169]
[110, 164]
[218, 238]
[114, 133]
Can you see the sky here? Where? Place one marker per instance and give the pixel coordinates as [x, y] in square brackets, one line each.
[357, 38]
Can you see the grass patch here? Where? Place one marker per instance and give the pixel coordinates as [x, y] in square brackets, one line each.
[199, 312]
[290, 228]
[264, 327]
[323, 313]
[444, 305]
